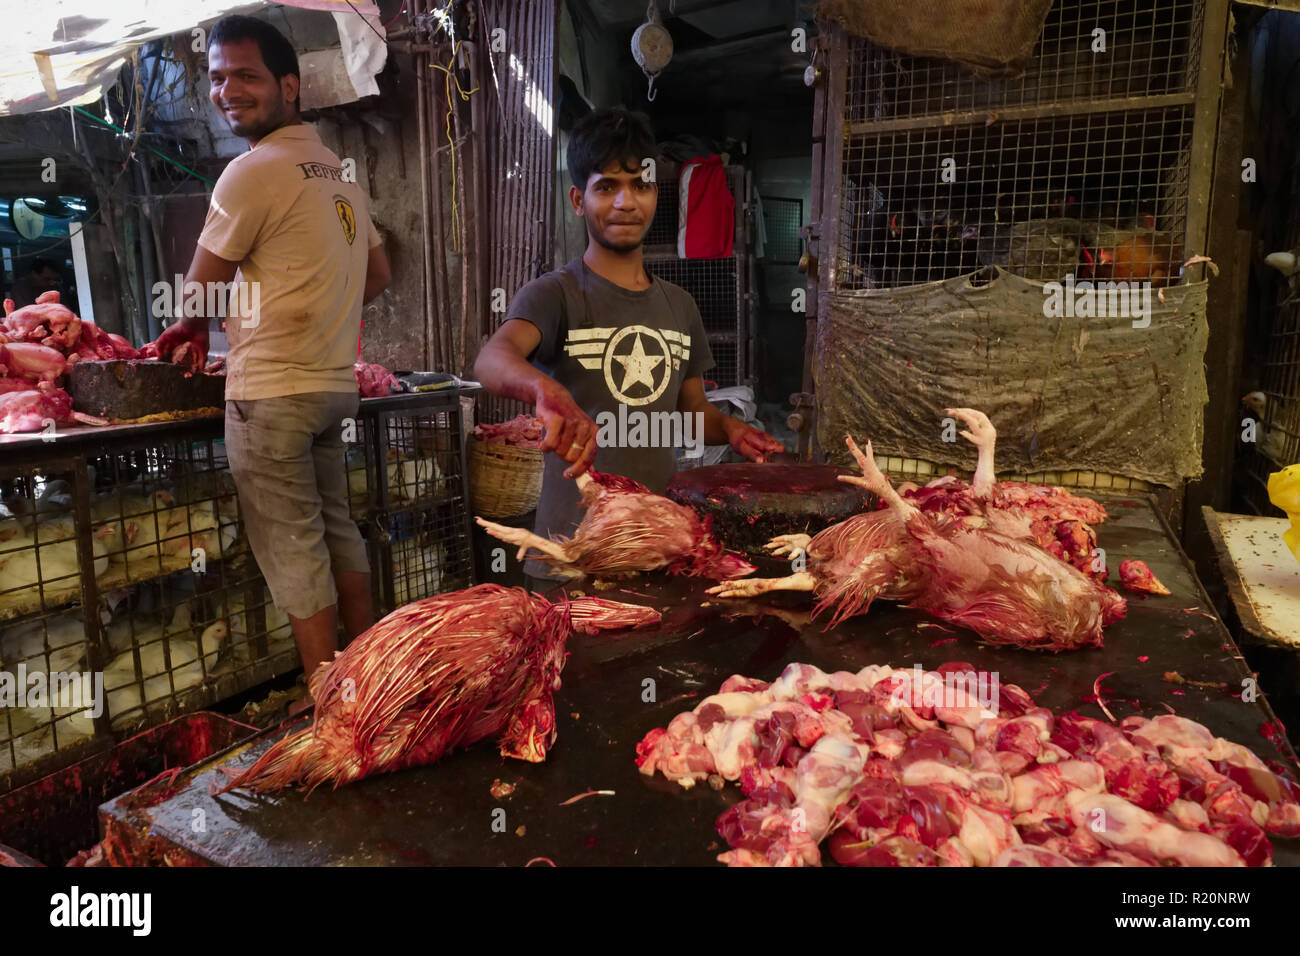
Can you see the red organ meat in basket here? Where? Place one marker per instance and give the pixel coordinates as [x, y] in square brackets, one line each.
[627, 528]
[434, 675]
[982, 571]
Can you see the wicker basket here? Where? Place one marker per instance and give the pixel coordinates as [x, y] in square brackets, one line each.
[505, 480]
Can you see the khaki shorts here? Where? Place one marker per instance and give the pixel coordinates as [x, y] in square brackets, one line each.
[287, 458]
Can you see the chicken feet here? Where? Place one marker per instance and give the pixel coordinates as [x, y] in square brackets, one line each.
[752, 587]
[789, 545]
[983, 436]
[874, 480]
[525, 539]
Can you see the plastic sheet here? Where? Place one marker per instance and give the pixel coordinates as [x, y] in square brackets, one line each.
[1067, 393]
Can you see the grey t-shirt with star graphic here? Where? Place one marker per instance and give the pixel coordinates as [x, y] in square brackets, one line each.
[609, 346]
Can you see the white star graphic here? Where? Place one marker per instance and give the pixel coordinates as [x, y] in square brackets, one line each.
[637, 366]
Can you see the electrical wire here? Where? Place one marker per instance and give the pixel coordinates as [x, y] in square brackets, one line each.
[367, 22]
[104, 122]
[464, 95]
[400, 11]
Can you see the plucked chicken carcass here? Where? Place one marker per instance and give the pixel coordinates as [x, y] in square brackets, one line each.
[1002, 586]
[627, 528]
[33, 361]
[54, 326]
[28, 411]
[1060, 522]
[46, 320]
[434, 675]
[922, 768]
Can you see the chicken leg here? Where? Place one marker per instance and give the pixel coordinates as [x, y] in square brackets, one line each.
[789, 545]
[874, 480]
[983, 436]
[525, 539]
[752, 587]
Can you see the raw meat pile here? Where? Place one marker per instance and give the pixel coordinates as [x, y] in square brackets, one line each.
[434, 675]
[627, 528]
[979, 571]
[906, 768]
[37, 344]
[525, 431]
[374, 381]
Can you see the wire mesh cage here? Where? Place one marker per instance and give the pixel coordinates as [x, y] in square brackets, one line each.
[714, 284]
[663, 228]
[134, 609]
[419, 532]
[1276, 428]
[1076, 167]
[782, 219]
[126, 583]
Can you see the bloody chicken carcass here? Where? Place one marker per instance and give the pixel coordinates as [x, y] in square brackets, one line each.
[892, 767]
[434, 675]
[1000, 585]
[1060, 522]
[627, 528]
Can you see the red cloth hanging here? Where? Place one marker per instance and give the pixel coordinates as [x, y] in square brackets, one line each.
[706, 210]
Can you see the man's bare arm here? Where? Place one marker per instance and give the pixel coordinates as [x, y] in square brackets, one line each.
[206, 267]
[503, 368]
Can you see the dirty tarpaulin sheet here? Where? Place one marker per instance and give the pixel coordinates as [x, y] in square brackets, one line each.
[1064, 393]
[995, 36]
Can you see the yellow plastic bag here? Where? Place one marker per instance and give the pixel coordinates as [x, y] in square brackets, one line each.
[1284, 491]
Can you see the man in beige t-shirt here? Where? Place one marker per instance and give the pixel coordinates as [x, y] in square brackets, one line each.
[290, 224]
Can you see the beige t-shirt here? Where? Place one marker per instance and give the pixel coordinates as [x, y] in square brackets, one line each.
[285, 213]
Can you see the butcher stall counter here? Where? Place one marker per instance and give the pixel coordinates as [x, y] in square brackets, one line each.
[1170, 652]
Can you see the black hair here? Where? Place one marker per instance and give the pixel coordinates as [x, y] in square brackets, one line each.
[277, 52]
[606, 136]
[41, 264]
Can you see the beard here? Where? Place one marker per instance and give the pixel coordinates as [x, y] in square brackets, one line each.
[257, 128]
[623, 248]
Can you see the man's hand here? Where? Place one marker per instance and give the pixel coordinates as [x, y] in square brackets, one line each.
[749, 441]
[570, 433]
[177, 335]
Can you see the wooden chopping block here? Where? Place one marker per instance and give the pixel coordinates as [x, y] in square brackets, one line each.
[131, 389]
[752, 503]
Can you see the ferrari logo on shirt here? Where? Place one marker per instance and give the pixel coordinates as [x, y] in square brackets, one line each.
[637, 362]
[347, 217]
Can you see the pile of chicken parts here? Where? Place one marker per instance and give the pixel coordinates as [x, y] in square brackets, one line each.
[37, 344]
[906, 768]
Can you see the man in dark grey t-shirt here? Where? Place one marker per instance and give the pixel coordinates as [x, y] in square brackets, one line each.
[610, 346]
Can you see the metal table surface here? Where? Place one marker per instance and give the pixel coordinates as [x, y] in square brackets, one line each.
[444, 814]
